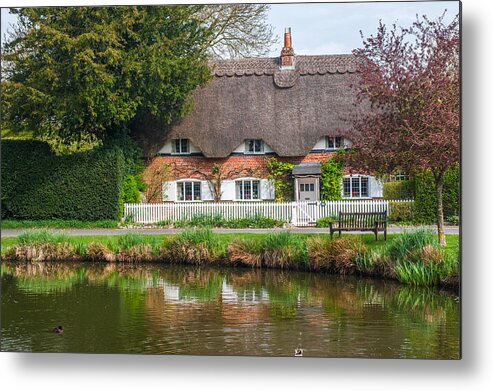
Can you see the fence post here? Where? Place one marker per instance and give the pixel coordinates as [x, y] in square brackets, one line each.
[294, 213]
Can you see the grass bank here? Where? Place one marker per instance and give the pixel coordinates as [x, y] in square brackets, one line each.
[59, 224]
[412, 258]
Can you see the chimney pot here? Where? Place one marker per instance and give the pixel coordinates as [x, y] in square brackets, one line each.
[287, 52]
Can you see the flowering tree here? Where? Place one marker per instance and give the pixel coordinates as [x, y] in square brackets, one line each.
[410, 79]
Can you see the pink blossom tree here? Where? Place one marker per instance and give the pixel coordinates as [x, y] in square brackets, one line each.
[410, 79]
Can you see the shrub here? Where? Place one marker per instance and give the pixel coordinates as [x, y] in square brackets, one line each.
[253, 222]
[399, 190]
[401, 211]
[324, 221]
[211, 221]
[283, 183]
[37, 184]
[425, 197]
[330, 180]
[130, 193]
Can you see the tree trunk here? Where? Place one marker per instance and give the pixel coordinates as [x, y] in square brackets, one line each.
[439, 194]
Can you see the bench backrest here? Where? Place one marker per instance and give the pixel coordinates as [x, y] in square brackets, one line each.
[360, 219]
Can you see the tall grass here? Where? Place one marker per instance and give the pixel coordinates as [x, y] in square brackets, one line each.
[412, 258]
[41, 237]
[195, 246]
[408, 242]
[418, 259]
[283, 249]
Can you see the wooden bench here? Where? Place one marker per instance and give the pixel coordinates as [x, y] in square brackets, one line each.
[371, 221]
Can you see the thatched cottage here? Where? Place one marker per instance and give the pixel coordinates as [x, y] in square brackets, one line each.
[291, 107]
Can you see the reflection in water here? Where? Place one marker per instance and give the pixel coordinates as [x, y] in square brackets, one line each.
[192, 310]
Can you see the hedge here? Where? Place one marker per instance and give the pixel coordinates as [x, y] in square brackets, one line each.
[37, 184]
[425, 197]
[400, 190]
[401, 211]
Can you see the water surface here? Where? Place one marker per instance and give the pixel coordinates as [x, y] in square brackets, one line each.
[108, 308]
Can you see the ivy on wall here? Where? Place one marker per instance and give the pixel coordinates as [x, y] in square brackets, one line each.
[279, 172]
[331, 180]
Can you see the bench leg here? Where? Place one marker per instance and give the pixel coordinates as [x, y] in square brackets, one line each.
[331, 234]
[376, 235]
[339, 233]
[385, 233]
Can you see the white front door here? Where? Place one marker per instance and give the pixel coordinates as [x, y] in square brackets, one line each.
[307, 189]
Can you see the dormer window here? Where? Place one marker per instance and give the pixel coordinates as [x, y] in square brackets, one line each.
[180, 146]
[334, 142]
[254, 146]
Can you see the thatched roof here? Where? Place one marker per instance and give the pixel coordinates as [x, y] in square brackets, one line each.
[252, 98]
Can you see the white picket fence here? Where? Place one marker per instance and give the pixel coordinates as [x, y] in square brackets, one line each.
[296, 213]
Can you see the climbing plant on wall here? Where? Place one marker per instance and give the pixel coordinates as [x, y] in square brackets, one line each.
[331, 179]
[279, 172]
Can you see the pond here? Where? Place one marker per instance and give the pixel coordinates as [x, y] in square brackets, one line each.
[155, 309]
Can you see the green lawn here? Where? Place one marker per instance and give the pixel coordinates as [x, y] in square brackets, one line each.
[452, 247]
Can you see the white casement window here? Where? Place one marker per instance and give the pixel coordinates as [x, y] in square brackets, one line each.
[254, 146]
[188, 191]
[356, 187]
[180, 146]
[247, 189]
[398, 175]
[334, 142]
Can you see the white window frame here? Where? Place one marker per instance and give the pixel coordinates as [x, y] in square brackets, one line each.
[254, 152]
[351, 192]
[251, 180]
[398, 176]
[343, 143]
[183, 182]
[174, 150]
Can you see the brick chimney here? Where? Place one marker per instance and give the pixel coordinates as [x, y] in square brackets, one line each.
[287, 52]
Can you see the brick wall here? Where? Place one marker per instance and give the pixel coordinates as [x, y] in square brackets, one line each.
[236, 166]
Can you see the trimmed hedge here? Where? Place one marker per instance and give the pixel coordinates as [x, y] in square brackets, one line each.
[425, 197]
[37, 184]
[401, 211]
[130, 193]
[401, 190]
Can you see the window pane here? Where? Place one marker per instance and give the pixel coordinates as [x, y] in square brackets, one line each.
[347, 187]
[338, 142]
[176, 146]
[258, 145]
[255, 190]
[179, 187]
[364, 187]
[251, 145]
[188, 191]
[196, 191]
[355, 187]
[330, 142]
[312, 187]
[239, 192]
[247, 190]
[184, 145]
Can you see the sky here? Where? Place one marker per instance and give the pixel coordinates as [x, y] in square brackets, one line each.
[332, 28]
